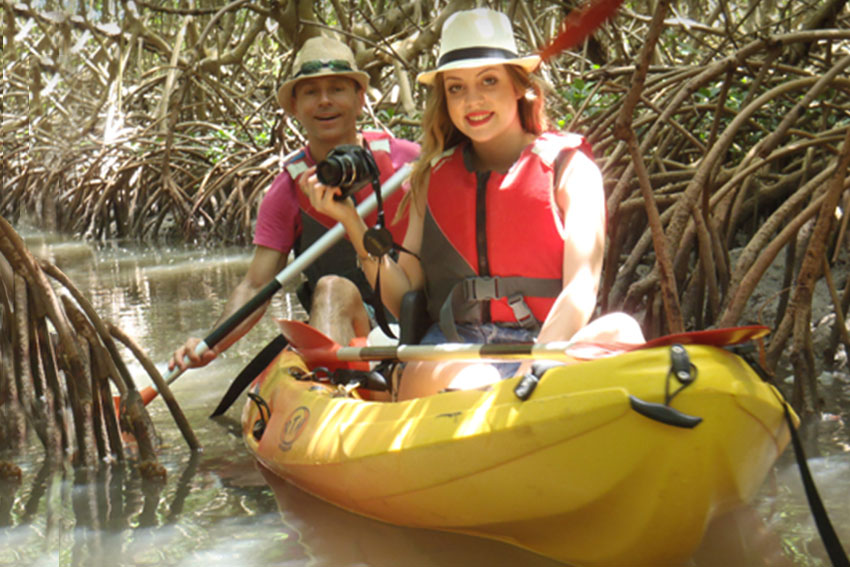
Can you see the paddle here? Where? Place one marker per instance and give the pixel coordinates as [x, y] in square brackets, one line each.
[714, 337]
[318, 349]
[293, 269]
[579, 24]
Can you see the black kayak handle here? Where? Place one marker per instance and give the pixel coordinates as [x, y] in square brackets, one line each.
[664, 414]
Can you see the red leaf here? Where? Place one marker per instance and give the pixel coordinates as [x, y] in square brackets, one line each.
[579, 24]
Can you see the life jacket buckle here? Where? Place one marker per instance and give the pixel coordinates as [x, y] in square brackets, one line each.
[481, 288]
[522, 312]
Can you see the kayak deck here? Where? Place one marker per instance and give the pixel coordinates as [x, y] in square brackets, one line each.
[575, 472]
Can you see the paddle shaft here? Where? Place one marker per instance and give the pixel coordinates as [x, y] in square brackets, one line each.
[319, 349]
[442, 352]
[293, 269]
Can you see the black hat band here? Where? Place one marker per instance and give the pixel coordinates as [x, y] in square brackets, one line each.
[476, 53]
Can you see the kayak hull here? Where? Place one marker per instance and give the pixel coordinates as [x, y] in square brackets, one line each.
[575, 472]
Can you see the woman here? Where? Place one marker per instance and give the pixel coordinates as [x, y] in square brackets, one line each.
[507, 220]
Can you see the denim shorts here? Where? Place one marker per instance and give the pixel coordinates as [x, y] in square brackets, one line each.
[486, 333]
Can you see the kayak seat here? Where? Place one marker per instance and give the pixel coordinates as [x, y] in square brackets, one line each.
[414, 319]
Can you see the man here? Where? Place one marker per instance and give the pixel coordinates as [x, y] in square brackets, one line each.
[325, 94]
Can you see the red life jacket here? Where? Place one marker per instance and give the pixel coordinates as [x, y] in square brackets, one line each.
[510, 252]
[341, 258]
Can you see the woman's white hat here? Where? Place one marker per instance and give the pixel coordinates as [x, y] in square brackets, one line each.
[321, 56]
[474, 38]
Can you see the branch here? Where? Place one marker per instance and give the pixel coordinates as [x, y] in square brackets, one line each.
[624, 131]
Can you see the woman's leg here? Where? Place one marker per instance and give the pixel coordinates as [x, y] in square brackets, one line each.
[611, 329]
[428, 378]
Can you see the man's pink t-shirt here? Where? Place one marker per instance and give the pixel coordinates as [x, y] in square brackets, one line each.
[279, 220]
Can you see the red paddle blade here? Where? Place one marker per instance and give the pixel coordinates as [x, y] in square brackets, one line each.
[579, 24]
[316, 348]
[712, 337]
[303, 336]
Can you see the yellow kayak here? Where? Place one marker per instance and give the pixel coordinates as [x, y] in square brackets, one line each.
[594, 468]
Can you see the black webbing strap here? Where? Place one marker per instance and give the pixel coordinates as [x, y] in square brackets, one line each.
[827, 532]
[831, 543]
[251, 371]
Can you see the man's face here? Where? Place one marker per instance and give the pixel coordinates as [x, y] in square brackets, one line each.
[327, 108]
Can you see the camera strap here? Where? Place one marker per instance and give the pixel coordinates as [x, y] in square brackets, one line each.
[378, 241]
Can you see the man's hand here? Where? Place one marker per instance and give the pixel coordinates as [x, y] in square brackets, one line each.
[322, 196]
[188, 349]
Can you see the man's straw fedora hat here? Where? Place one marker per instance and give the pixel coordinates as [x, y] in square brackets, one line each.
[320, 57]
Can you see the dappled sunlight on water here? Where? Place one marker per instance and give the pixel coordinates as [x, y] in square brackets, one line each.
[219, 508]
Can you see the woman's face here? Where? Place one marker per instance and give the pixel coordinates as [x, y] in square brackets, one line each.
[482, 102]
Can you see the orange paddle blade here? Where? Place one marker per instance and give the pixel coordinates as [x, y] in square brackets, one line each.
[148, 394]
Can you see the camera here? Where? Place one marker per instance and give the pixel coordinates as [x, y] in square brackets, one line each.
[349, 167]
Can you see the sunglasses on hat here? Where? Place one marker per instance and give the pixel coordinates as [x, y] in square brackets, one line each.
[312, 67]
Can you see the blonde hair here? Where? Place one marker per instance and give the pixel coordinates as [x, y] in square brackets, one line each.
[439, 132]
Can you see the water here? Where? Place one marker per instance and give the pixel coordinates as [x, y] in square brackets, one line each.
[219, 508]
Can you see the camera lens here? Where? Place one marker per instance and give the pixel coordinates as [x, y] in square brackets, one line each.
[349, 170]
[348, 167]
[330, 172]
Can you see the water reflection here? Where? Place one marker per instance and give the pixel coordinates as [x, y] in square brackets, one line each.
[741, 538]
[786, 510]
[337, 537]
[111, 517]
[218, 508]
[160, 295]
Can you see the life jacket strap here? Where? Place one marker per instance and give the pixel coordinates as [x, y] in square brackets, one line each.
[469, 291]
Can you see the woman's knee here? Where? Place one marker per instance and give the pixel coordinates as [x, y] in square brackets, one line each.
[422, 379]
[614, 327]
